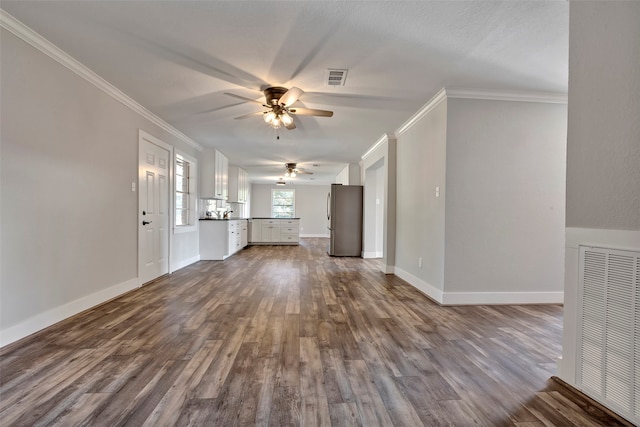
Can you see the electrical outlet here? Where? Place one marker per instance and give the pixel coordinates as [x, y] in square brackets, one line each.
[437, 191]
[133, 186]
[420, 262]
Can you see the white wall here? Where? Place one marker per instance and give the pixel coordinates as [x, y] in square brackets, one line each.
[379, 212]
[373, 225]
[343, 176]
[311, 206]
[379, 163]
[603, 148]
[505, 198]
[350, 175]
[68, 215]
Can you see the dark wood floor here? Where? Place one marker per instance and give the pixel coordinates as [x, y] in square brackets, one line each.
[289, 336]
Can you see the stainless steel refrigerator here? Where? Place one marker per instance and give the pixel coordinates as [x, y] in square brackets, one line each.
[344, 212]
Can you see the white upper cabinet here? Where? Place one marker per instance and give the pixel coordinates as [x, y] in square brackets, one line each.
[214, 175]
[238, 185]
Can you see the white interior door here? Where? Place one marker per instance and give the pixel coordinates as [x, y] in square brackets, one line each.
[153, 209]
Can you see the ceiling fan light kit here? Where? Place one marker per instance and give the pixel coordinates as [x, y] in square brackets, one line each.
[278, 100]
[292, 170]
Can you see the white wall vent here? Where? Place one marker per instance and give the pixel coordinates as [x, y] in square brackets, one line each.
[608, 367]
[335, 77]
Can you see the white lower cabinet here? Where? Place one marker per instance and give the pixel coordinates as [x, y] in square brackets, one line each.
[256, 230]
[244, 234]
[290, 230]
[219, 239]
[269, 231]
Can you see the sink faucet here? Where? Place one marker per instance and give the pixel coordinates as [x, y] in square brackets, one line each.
[225, 215]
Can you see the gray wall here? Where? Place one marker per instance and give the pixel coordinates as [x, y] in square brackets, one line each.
[603, 160]
[603, 147]
[311, 206]
[68, 215]
[420, 215]
[505, 196]
[495, 234]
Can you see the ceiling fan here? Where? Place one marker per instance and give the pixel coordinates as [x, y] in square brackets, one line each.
[279, 110]
[292, 170]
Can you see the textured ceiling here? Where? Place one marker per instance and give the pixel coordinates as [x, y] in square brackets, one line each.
[177, 58]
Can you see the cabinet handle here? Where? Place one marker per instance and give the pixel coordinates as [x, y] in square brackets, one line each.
[146, 222]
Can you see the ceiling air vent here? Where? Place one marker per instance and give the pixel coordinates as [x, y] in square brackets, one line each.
[335, 77]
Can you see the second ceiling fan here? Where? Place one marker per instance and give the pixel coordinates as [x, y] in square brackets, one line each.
[279, 101]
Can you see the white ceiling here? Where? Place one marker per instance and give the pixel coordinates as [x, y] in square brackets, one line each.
[177, 58]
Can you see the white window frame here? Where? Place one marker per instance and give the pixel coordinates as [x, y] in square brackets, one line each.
[193, 193]
[293, 215]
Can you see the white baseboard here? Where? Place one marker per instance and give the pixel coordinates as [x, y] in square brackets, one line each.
[315, 235]
[501, 298]
[57, 314]
[185, 262]
[424, 287]
[479, 298]
[372, 255]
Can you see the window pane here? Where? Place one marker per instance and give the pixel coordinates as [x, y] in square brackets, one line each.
[182, 184]
[183, 198]
[283, 203]
[182, 217]
[182, 201]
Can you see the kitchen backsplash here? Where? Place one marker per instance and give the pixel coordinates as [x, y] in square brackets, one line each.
[221, 206]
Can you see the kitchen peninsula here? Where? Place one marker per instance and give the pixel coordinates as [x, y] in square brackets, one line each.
[275, 231]
[221, 238]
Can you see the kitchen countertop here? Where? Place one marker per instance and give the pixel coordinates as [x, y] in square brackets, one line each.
[240, 219]
[224, 219]
[268, 217]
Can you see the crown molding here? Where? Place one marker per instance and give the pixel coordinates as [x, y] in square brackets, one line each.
[384, 138]
[28, 35]
[520, 96]
[453, 93]
[426, 109]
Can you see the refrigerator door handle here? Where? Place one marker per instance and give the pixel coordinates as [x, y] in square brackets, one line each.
[328, 205]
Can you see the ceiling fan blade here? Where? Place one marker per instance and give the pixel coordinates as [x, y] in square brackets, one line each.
[290, 126]
[257, 113]
[243, 98]
[310, 112]
[299, 172]
[290, 96]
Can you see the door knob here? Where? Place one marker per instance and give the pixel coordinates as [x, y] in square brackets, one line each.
[146, 222]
